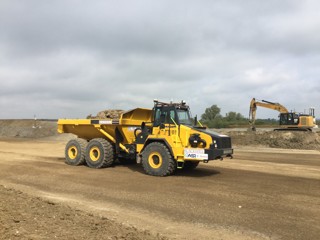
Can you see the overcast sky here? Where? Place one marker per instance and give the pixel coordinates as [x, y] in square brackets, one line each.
[67, 59]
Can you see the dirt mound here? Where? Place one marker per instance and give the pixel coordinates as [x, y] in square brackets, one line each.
[28, 128]
[109, 113]
[289, 140]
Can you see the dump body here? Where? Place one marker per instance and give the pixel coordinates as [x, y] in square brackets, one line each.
[162, 139]
[97, 128]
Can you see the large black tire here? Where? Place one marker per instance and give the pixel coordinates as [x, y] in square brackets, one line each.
[100, 153]
[75, 152]
[157, 160]
[190, 165]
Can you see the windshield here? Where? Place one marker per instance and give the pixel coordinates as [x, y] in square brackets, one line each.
[172, 115]
[184, 117]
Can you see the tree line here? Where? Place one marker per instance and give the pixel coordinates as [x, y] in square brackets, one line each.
[212, 118]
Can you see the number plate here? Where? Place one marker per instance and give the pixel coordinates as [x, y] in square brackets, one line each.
[195, 154]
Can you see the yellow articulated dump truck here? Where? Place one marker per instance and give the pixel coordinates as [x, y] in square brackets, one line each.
[162, 139]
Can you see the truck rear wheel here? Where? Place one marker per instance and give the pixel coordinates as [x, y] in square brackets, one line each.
[157, 160]
[75, 152]
[99, 153]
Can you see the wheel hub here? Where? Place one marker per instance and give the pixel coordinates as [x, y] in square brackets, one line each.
[155, 160]
[72, 152]
[94, 154]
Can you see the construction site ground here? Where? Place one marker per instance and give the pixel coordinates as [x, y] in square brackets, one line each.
[269, 190]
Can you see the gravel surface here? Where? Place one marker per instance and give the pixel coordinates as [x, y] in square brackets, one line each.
[263, 193]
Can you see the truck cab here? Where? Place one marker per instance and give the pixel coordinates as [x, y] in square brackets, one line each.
[184, 139]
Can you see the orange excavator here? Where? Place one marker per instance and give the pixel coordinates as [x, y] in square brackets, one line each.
[289, 121]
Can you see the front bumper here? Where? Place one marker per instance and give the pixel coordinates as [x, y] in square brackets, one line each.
[216, 153]
[197, 154]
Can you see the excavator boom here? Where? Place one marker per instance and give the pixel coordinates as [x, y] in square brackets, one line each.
[266, 104]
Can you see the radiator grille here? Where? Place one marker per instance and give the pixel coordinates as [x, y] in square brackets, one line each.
[225, 142]
[303, 121]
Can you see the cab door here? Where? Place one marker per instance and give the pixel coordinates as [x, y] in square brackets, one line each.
[165, 122]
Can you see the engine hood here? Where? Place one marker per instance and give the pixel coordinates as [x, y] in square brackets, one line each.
[219, 140]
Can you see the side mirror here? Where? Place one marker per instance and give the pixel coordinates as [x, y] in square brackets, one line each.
[162, 126]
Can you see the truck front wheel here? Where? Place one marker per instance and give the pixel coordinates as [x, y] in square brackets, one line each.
[99, 153]
[75, 152]
[157, 160]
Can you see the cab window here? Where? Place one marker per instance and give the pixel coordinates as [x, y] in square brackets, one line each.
[164, 116]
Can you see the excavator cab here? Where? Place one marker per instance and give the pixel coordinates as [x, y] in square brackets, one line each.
[289, 119]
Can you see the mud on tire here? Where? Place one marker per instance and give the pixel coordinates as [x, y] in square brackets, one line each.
[157, 160]
[100, 153]
[75, 152]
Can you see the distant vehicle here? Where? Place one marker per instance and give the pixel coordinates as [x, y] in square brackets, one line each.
[289, 121]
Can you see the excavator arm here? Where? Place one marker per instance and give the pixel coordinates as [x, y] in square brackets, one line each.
[266, 104]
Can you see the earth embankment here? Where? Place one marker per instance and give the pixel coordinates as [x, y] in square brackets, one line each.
[240, 137]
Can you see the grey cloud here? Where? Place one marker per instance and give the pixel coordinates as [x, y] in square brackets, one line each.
[72, 58]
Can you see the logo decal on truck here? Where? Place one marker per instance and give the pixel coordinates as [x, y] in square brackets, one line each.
[195, 154]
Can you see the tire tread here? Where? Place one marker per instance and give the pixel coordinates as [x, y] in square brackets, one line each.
[108, 157]
[169, 170]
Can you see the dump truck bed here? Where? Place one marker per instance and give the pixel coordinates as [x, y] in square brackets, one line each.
[86, 128]
[107, 128]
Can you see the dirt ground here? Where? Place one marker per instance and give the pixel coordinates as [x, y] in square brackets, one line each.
[263, 193]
